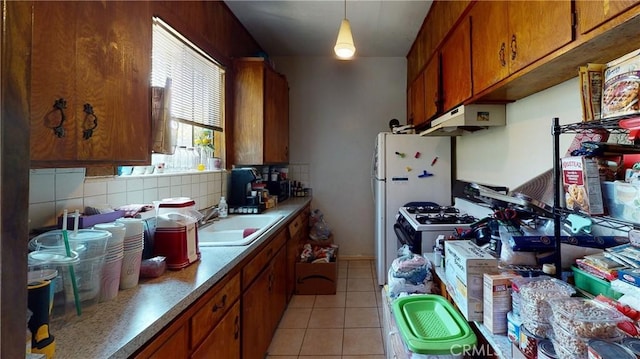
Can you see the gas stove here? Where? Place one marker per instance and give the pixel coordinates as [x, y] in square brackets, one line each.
[421, 217]
[419, 227]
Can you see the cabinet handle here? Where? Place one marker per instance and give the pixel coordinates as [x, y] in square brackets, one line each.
[236, 330]
[514, 47]
[59, 105]
[89, 118]
[503, 62]
[217, 306]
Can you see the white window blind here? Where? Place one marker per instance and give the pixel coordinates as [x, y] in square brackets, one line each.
[197, 81]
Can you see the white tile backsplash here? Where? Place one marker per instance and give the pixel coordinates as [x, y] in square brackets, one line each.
[40, 187]
[95, 188]
[69, 185]
[135, 184]
[117, 185]
[53, 190]
[164, 181]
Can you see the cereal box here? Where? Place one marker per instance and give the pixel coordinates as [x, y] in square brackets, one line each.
[622, 86]
[581, 182]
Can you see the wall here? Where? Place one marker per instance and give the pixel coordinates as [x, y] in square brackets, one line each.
[523, 149]
[53, 190]
[336, 110]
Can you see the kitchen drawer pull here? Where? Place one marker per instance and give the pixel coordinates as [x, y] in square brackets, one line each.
[503, 62]
[59, 105]
[223, 302]
[514, 47]
[89, 117]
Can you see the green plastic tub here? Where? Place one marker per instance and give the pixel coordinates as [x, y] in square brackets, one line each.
[592, 284]
[430, 325]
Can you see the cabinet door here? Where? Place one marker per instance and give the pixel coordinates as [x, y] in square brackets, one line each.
[593, 13]
[432, 88]
[278, 289]
[256, 317]
[53, 65]
[537, 28]
[456, 66]
[489, 43]
[276, 120]
[104, 63]
[167, 346]
[224, 339]
[248, 125]
[417, 100]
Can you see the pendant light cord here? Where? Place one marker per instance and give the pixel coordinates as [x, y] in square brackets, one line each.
[345, 9]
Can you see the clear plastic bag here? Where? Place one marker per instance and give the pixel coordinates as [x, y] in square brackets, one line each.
[409, 273]
[319, 228]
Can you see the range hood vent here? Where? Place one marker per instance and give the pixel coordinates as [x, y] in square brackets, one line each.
[467, 118]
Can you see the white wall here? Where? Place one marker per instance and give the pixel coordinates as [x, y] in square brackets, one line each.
[523, 149]
[336, 110]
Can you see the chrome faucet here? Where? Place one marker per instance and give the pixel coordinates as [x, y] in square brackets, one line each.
[210, 213]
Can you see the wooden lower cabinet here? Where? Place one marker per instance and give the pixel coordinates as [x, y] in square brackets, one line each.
[224, 340]
[238, 316]
[263, 304]
[170, 344]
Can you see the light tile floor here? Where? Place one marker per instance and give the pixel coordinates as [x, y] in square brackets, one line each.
[347, 325]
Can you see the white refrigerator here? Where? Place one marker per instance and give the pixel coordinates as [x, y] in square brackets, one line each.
[406, 168]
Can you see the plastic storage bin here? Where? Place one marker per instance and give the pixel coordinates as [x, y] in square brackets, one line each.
[592, 284]
[431, 326]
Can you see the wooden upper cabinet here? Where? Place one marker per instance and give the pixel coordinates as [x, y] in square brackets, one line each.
[593, 13]
[432, 88]
[261, 116]
[537, 28]
[489, 43]
[102, 65]
[456, 66]
[416, 96]
[507, 36]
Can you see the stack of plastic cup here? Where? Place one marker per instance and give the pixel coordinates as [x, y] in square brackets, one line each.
[113, 260]
[85, 267]
[133, 245]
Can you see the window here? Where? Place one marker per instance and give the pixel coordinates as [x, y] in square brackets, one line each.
[197, 89]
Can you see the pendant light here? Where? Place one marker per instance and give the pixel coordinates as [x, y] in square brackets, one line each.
[345, 48]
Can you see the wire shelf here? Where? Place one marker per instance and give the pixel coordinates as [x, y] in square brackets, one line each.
[610, 124]
[603, 221]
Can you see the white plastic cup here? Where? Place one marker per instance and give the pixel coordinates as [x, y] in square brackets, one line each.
[110, 282]
[130, 272]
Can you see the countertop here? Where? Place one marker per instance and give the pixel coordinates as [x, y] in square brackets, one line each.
[119, 327]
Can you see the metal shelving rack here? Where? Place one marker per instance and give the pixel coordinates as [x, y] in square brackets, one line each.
[612, 126]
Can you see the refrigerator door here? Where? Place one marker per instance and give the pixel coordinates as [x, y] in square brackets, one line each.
[414, 168]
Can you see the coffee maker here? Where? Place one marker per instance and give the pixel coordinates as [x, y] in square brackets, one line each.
[240, 198]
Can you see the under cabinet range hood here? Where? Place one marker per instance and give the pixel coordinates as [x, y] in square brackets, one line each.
[467, 118]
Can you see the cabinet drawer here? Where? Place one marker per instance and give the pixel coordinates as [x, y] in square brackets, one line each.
[251, 270]
[210, 314]
[296, 225]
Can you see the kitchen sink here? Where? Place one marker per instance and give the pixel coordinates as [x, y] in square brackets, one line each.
[236, 230]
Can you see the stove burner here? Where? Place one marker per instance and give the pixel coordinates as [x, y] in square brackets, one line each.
[433, 209]
[444, 218]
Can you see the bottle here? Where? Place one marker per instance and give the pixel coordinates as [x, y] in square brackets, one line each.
[222, 208]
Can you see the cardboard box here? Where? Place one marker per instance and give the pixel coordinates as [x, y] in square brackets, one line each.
[581, 180]
[497, 301]
[465, 265]
[317, 278]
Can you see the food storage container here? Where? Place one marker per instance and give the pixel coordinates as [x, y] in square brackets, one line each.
[534, 295]
[585, 318]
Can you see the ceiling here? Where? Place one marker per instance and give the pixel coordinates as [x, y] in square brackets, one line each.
[381, 28]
